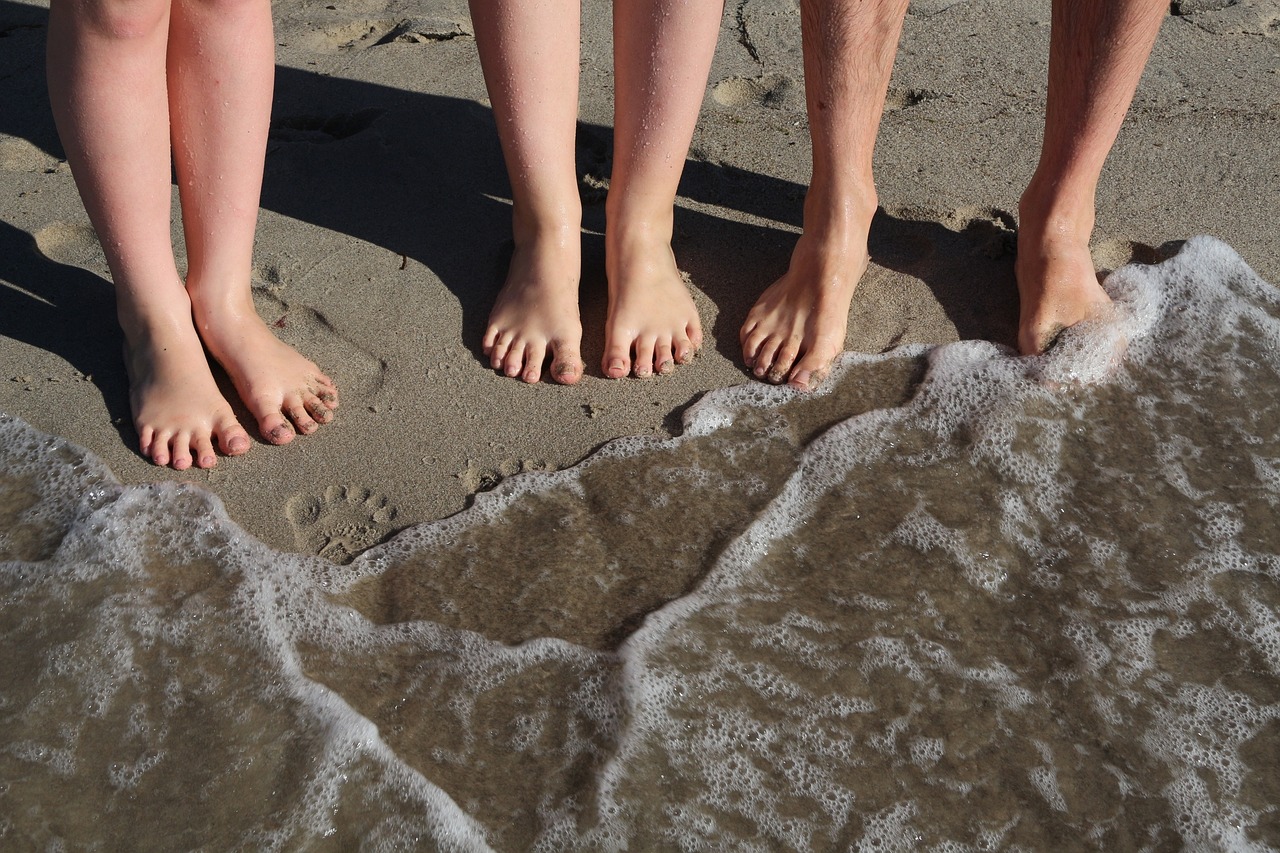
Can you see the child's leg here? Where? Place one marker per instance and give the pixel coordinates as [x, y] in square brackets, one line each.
[107, 86]
[1096, 55]
[662, 55]
[221, 68]
[529, 52]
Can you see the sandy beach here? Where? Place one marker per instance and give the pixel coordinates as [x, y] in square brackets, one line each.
[385, 230]
[957, 600]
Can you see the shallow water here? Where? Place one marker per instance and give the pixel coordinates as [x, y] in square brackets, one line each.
[960, 600]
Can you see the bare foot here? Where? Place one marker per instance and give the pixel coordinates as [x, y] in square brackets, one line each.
[653, 324]
[285, 392]
[1057, 285]
[536, 313]
[797, 326]
[178, 410]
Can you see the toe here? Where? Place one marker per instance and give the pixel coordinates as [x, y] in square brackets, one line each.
[533, 358]
[566, 367]
[317, 409]
[498, 350]
[643, 366]
[664, 361]
[232, 439]
[205, 457]
[810, 371]
[276, 429]
[158, 447]
[762, 360]
[296, 411]
[617, 360]
[180, 451]
[782, 361]
[513, 362]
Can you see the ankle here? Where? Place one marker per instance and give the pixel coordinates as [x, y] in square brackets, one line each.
[552, 226]
[1055, 213]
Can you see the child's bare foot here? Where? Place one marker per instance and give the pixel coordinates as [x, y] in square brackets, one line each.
[178, 410]
[285, 392]
[797, 326]
[653, 324]
[536, 313]
[1057, 284]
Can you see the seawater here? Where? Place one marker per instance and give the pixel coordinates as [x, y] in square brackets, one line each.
[960, 600]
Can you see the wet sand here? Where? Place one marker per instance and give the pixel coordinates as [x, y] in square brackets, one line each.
[384, 233]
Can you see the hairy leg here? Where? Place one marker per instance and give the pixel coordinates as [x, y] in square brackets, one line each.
[529, 53]
[108, 91]
[221, 66]
[1097, 52]
[662, 55]
[797, 327]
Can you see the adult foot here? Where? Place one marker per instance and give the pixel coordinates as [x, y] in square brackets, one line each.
[536, 313]
[284, 391]
[652, 324]
[178, 411]
[797, 326]
[1057, 284]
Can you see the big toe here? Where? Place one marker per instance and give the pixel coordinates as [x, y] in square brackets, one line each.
[567, 365]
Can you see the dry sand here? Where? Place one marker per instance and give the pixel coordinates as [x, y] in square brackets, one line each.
[384, 232]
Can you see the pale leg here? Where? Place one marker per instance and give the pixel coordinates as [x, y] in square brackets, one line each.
[797, 327]
[529, 52]
[108, 90]
[1097, 53]
[662, 55]
[221, 69]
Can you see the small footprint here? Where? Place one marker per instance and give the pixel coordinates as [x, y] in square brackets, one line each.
[422, 30]
[1111, 253]
[341, 523]
[929, 8]
[70, 243]
[901, 99]
[771, 90]
[19, 155]
[323, 129]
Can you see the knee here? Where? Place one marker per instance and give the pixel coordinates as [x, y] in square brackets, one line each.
[227, 9]
[119, 20]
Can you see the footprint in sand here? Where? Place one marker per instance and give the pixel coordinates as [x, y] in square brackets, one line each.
[927, 8]
[19, 155]
[772, 90]
[901, 99]
[323, 129]
[70, 243]
[1111, 253]
[423, 30]
[341, 523]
